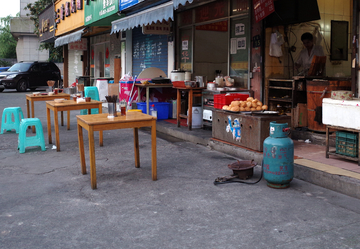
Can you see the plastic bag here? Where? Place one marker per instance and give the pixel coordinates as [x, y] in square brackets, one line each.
[276, 40]
[127, 77]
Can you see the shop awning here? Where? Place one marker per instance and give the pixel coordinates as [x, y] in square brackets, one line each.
[182, 2]
[162, 12]
[66, 39]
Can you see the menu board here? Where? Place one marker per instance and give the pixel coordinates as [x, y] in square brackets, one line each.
[149, 51]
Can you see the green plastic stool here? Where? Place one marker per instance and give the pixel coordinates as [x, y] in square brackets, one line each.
[7, 122]
[37, 140]
[93, 93]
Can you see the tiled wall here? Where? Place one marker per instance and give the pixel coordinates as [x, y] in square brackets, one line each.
[339, 10]
[27, 49]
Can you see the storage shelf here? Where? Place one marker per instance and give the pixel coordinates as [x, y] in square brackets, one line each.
[280, 87]
[281, 100]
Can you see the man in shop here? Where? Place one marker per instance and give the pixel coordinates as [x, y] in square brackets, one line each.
[307, 54]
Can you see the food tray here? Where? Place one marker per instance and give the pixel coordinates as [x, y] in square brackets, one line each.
[265, 113]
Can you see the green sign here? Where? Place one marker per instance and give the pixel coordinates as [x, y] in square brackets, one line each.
[101, 12]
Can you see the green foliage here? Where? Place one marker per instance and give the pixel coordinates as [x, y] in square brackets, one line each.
[7, 41]
[4, 63]
[55, 54]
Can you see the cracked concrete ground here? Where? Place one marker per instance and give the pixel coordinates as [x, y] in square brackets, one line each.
[45, 201]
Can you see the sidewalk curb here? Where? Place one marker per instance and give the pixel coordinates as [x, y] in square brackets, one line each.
[340, 183]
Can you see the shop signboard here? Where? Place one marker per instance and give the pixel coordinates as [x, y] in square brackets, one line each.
[69, 16]
[46, 24]
[124, 4]
[78, 45]
[263, 8]
[159, 28]
[100, 10]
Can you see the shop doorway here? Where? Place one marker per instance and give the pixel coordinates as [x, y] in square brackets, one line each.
[99, 60]
[211, 49]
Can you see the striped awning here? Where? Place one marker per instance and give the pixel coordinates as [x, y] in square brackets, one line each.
[159, 13]
[66, 39]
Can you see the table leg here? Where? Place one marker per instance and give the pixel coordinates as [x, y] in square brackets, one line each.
[100, 132]
[68, 120]
[153, 151]
[56, 125]
[136, 148]
[327, 141]
[92, 158]
[32, 114]
[89, 111]
[190, 108]
[147, 101]
[62, 118]
[81, 149]
[178, 107]
[28, 108]
[48, 124]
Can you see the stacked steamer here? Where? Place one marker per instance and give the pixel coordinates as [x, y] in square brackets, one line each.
[250, 104]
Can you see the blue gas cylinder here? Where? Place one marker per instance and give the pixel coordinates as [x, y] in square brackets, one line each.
[278, 156]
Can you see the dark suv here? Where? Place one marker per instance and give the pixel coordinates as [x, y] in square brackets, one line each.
[24, 75]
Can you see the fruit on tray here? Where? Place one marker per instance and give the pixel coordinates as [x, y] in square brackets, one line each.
[250, 104]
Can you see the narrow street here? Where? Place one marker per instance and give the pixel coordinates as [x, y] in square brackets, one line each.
[45, 201]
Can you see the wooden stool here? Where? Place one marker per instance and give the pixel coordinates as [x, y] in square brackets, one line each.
[192, 92]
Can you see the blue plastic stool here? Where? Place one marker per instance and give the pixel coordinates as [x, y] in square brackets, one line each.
[37, 140]
[93, 93]
[7, 122]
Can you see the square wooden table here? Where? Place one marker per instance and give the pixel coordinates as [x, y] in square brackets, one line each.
[192, 92]
[67, 105]
[100, 122]
[42, 97]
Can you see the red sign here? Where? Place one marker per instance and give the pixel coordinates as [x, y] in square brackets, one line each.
[263, 8]
[211, 11]
[217, 26]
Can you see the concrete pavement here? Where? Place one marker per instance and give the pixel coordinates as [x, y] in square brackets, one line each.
[45, 201]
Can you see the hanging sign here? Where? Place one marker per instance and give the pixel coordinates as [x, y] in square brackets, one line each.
[263, 8]
[159, 28]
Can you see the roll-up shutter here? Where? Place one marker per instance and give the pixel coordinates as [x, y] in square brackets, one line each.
[149, 51]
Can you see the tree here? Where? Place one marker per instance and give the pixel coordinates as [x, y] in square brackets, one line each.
[7, 41]
[55, 54]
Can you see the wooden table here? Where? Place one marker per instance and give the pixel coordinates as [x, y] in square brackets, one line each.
[327, 127]
[147, 87]
[192, 92]
[100, 122]
[67, 105]
[31, 98]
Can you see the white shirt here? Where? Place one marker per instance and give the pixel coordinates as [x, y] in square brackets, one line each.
[305, 59]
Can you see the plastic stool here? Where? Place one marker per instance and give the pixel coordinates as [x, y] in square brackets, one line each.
[7, 123]
[37, 140]
[93, 93]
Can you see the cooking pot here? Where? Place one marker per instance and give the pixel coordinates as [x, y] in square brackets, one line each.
[160, 80]
[177, 75]
[70, 90]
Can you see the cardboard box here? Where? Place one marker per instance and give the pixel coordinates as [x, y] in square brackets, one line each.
[300, 116]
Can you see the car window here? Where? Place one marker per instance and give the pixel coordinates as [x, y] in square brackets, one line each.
[44, 67]
[35, 68]
[20, 67]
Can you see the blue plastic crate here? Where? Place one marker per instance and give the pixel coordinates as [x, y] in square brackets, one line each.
[161, 107]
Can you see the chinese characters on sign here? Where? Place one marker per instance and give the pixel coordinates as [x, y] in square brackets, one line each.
[157, 28]
[263, 8]
[79, 45]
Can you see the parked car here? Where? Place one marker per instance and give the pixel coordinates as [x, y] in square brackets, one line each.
[3, 69]
[24, 75]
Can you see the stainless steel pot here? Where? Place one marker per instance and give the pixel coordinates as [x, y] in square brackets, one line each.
[70, 90]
